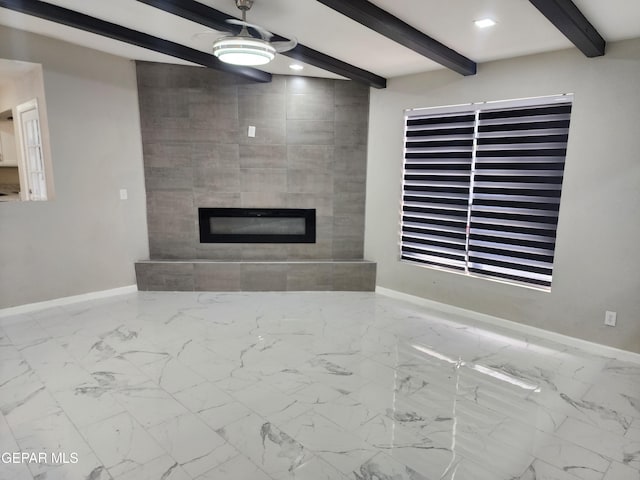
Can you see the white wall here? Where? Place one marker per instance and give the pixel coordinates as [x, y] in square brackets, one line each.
[597, 266]
[87, 239]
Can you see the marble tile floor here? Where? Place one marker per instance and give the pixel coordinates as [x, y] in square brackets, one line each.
[304, 386]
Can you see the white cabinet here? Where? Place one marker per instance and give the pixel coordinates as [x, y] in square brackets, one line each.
[8, 150]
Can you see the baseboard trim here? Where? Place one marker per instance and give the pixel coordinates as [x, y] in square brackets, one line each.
[57, 302]
[586, 345]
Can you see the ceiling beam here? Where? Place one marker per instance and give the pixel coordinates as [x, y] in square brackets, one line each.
[84, 22]
[204, 15]
[331, 64]
[569, 20]
[381, 21]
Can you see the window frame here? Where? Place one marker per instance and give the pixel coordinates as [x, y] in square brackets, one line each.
[434, 143]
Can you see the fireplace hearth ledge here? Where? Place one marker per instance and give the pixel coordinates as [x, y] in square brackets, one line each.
[253, 276]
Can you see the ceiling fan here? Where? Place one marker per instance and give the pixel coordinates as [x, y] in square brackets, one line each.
[245, 49]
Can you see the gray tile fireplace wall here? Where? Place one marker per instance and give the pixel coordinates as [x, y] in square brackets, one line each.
[309, 151]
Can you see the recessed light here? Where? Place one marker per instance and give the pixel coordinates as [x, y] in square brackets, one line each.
[485, 23]
[296, 66]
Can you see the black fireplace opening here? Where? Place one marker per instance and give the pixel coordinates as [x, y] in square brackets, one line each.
[257, 225]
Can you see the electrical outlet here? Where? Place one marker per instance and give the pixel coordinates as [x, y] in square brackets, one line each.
[610, 318]
[123, 194]
[251, 131]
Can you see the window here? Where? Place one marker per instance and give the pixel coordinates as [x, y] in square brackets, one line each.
[482, 185]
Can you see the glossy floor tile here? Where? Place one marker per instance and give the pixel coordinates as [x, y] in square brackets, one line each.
[307, 386]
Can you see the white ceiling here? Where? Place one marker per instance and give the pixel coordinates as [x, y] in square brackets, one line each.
[520, 29]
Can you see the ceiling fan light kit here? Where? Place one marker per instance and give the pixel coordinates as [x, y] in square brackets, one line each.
[244, 49]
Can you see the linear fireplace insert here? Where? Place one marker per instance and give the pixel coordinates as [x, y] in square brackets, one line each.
[257, 225]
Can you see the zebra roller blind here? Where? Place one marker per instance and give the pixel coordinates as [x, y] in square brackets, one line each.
[482, 185]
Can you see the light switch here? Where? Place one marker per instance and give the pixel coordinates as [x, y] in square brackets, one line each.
[252, 131]
[123, 194]
[610, 318]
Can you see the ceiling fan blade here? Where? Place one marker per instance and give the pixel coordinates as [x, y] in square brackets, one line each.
[264, 33]
[285, 46]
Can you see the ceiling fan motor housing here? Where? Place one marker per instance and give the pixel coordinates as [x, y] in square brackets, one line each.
[244, 5]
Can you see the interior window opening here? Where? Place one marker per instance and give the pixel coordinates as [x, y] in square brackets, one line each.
[25, 159]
